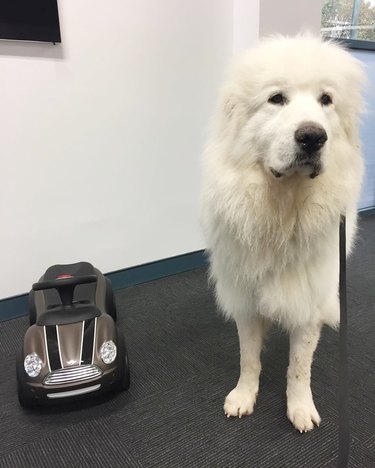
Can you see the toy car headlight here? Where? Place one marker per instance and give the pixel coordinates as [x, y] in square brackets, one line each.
[108, 352]
[33, 365]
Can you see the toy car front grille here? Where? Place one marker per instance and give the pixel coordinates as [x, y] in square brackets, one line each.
[72, 374]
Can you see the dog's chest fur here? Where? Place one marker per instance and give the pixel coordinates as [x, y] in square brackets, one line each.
[274, 225]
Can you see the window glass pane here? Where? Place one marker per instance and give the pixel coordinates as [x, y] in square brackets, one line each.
[349, 19]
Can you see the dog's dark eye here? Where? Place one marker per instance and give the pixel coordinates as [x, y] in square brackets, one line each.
[325, 99]
[277, 98]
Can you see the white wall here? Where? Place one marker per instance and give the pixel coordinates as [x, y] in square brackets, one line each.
[245, 24]
[289, 16]
[101, 136]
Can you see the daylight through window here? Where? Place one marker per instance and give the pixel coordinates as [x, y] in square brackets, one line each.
[349, 19]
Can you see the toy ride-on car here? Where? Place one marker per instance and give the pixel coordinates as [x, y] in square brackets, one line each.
[73, 348]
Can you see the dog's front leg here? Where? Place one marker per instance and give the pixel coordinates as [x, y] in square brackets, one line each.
[240, 401]
[301, 409]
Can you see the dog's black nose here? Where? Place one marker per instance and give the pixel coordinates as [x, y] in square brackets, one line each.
[310, 137]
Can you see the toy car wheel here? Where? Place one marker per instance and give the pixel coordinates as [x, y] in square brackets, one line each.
[123, 379]
[110, 300]
[24, 397]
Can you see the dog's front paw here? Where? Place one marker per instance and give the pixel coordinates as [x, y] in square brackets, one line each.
[303, 414]
[239, 402]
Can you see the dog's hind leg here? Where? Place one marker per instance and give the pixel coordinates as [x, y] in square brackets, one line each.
[301, 410]
[240, 401]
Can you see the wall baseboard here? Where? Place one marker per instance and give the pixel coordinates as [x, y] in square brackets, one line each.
[367, 212]
[16, 306]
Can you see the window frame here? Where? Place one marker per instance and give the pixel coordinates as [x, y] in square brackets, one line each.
[356, 43]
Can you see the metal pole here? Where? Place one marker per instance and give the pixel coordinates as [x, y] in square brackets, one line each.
[343, 391]
[355, 18]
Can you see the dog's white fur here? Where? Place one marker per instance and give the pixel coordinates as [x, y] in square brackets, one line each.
[273, 242]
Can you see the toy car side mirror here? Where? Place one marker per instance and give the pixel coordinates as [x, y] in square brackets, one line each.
[65, 286]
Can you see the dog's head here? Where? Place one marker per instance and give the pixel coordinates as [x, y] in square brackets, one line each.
[287, 102]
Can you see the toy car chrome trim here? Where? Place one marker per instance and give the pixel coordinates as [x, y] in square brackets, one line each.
[94, 342]
[59, 346]
[70, 393]
[82, 337]
[46, 347]
[72, 374]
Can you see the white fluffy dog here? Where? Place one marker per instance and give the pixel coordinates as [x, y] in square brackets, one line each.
[281, 166]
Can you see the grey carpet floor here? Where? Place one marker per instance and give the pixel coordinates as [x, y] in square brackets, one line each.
[184, 359]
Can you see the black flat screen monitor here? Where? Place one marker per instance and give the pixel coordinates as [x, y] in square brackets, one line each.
[30, 20]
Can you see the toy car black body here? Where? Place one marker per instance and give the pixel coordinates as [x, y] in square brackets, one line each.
[73, 348]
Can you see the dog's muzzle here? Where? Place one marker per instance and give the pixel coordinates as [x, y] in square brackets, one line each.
[310, 169]
[310, 138]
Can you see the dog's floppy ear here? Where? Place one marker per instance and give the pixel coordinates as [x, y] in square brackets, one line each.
[231, 101]
[232, 113]
[229, 106]
[351, 126]
[356, 81]
[354, 106]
